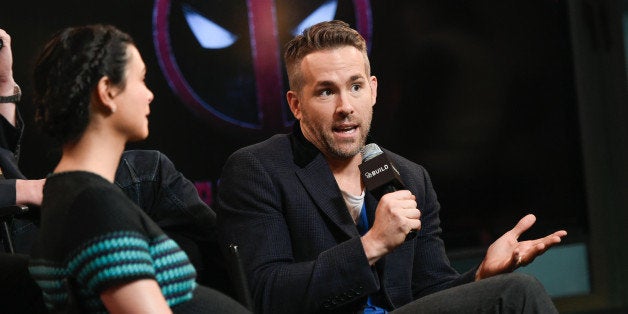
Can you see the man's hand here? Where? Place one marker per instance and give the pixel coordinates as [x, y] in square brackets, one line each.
[6, 66]
[29, 192]
[507, 253]
[7, 84]
[396, 215]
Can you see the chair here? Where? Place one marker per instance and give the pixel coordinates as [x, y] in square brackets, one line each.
[18, 291]
[7, 214]
[238, 277]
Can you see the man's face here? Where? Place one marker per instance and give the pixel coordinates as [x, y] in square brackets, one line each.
[335, 104]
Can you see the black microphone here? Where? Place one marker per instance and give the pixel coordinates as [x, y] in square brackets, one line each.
[380, 176]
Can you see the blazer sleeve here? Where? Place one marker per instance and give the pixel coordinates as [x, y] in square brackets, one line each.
[252, 215]
[10, 137]
[7, 192]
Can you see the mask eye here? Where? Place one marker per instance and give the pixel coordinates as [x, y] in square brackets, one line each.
[208, 34]
[325, 12]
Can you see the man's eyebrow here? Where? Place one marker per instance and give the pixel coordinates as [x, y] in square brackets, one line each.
[356, 78]
[325, 83]
[353, 78]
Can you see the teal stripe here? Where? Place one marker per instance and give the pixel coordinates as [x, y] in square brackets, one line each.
[182, 272]
[105, 245]
[119, 271]
[47, 271]
[113, 259]
[177, 300]
[171, 259]
[58, 298]
[163, 247]
[177, 288]
[49, 284]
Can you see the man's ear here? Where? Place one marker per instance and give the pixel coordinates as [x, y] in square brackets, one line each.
[293, 102]
[373, 83]
[105, 93]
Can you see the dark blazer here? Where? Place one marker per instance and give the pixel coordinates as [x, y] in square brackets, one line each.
[279, 202]
[9, 153]
[23, 230]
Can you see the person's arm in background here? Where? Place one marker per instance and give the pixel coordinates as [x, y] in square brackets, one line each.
[151, 180]
[7, 84]
[14, 190]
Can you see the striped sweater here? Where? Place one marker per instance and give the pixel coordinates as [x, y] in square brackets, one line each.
[93, 238]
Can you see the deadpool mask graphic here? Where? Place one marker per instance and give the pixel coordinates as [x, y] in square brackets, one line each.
[224, 58]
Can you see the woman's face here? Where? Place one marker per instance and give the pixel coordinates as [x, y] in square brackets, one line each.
[133, 101]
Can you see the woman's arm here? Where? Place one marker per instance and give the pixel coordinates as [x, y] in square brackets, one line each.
[140, 296]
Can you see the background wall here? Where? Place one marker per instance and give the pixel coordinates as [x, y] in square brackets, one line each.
[495, 98]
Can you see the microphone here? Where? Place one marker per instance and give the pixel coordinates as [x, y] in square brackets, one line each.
[380, 176]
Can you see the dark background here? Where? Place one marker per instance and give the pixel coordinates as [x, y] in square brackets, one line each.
[512, 106]
[479, 92]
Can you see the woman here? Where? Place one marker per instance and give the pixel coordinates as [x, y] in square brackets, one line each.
[97, 251]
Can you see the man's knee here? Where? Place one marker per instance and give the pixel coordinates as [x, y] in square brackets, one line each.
[525, 293]
[523, 283]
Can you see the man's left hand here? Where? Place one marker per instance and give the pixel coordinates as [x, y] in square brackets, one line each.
[507, 253]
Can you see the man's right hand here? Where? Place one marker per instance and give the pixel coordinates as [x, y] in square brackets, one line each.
[396, 216]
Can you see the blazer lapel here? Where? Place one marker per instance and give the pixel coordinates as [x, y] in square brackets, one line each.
[319, 182]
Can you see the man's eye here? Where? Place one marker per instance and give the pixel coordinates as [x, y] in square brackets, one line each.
[356, 87]
[325, 93]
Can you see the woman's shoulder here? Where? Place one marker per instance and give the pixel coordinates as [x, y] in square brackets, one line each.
[87, 199]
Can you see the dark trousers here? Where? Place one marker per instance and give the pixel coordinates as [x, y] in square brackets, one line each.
[18, 291]
[508, 293]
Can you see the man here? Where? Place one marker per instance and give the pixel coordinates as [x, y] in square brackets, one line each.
[293, 204]
[14, 188]
[16, 287]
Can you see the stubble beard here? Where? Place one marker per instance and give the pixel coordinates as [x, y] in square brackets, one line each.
[343, 150]
[347, 148]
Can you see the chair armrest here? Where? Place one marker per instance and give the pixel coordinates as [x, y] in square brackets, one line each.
[6, 215]
[12, 210]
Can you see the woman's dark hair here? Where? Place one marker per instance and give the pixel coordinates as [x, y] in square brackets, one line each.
[67, 72]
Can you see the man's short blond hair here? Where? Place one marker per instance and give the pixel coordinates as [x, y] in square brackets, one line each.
[318, 37]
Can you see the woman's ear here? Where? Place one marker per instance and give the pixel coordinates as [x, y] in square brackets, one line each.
[105, 94]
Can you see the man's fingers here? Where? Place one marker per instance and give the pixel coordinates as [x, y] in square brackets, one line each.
[411, 213]
[524, 224]
[406, 204]
[537, 248]
[551, 239]
[400, 195]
